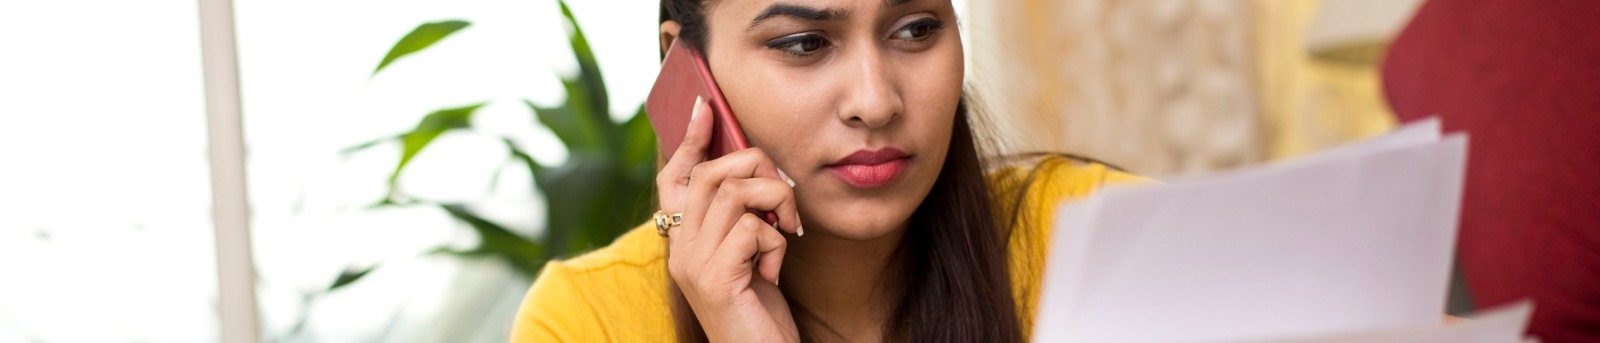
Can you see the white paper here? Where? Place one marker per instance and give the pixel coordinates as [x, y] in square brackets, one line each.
[1500, 325]
[1354, 240]
[1423, 131]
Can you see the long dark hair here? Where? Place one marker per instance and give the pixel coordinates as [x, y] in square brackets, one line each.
[953, 265]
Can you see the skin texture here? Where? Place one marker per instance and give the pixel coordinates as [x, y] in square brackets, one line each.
[808, 93]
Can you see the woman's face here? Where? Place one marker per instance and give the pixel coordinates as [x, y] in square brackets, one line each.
[853, 99]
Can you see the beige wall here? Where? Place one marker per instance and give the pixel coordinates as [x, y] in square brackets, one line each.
[1174, 86]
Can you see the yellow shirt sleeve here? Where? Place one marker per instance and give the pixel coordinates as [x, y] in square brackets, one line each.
[547, 313]
[614, 294]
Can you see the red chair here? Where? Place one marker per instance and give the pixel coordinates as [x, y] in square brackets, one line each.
[1522, 77]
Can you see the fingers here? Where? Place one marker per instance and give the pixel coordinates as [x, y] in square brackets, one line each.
[717, 198]
[698, 138]
[706, 178]
[702, 237]
[674, 176]
[751, 240]
[738, 197]
[770, 247]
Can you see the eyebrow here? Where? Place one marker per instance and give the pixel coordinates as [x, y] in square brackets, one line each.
[809, 13]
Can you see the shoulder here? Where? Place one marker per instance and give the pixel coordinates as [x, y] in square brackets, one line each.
[616, 293]
[1025, 198]
[1042, 181]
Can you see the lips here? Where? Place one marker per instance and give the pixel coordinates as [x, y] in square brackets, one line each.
[870, 169]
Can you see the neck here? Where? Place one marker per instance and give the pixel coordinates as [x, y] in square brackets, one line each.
[849, 285]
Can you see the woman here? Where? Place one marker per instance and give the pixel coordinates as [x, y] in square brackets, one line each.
[888, 227]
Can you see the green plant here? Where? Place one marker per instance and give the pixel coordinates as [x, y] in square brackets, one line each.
[597, 194]
[601, 191]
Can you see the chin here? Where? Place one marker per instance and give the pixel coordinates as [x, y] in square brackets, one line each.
[860, 220]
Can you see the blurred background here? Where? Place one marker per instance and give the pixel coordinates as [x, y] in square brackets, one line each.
[411, 164]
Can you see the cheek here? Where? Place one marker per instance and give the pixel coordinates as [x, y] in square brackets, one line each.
[931, 99]
[778, 113]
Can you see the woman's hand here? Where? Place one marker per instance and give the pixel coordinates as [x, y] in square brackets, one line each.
[720, 248]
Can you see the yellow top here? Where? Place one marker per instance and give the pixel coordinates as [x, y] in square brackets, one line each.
[619, 293]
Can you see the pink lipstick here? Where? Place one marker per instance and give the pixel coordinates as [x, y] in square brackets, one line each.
[869, 169]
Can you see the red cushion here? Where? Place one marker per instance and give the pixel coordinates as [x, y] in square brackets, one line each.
[1522, 77]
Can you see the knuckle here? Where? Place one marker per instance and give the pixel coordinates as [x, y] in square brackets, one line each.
[751, 222]
[741, 155]
[775, 186]
[756, 156]
[664, 179]
[728, 193]
[771, 232]
[699, 170]
[730, 188]
[772, 190]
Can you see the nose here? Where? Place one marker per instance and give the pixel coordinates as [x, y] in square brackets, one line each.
[872, 99]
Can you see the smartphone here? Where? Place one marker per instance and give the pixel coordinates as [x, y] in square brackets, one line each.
[685, 75]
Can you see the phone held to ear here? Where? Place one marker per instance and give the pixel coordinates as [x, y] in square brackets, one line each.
[684, 76]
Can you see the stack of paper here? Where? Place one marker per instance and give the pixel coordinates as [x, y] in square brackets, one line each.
[1352, 244]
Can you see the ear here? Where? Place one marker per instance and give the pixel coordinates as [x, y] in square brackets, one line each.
[669, 33]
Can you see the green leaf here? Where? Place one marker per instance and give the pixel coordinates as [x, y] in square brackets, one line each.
[574, 189]
[431, 127]
[350, 275]
[420, 38]
[602, 190]
[522, 156]
[369, 144]
[589, 77]
[497, 241]
[639, 144]
[573, 124]
[517, 156]
[583, 121]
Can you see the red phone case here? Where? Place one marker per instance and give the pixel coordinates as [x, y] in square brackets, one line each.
[685, 75]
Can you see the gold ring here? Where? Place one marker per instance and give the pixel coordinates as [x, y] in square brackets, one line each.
[665, 222]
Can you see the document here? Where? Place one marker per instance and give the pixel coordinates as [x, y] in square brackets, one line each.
[1499, 325]
[1355, 240]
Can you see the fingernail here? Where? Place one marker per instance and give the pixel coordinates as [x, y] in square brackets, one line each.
[785, 177]
[799, 229]
[695, 113]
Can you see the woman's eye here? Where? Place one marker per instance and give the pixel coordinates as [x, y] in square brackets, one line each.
[799, 45]
[919, 29]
